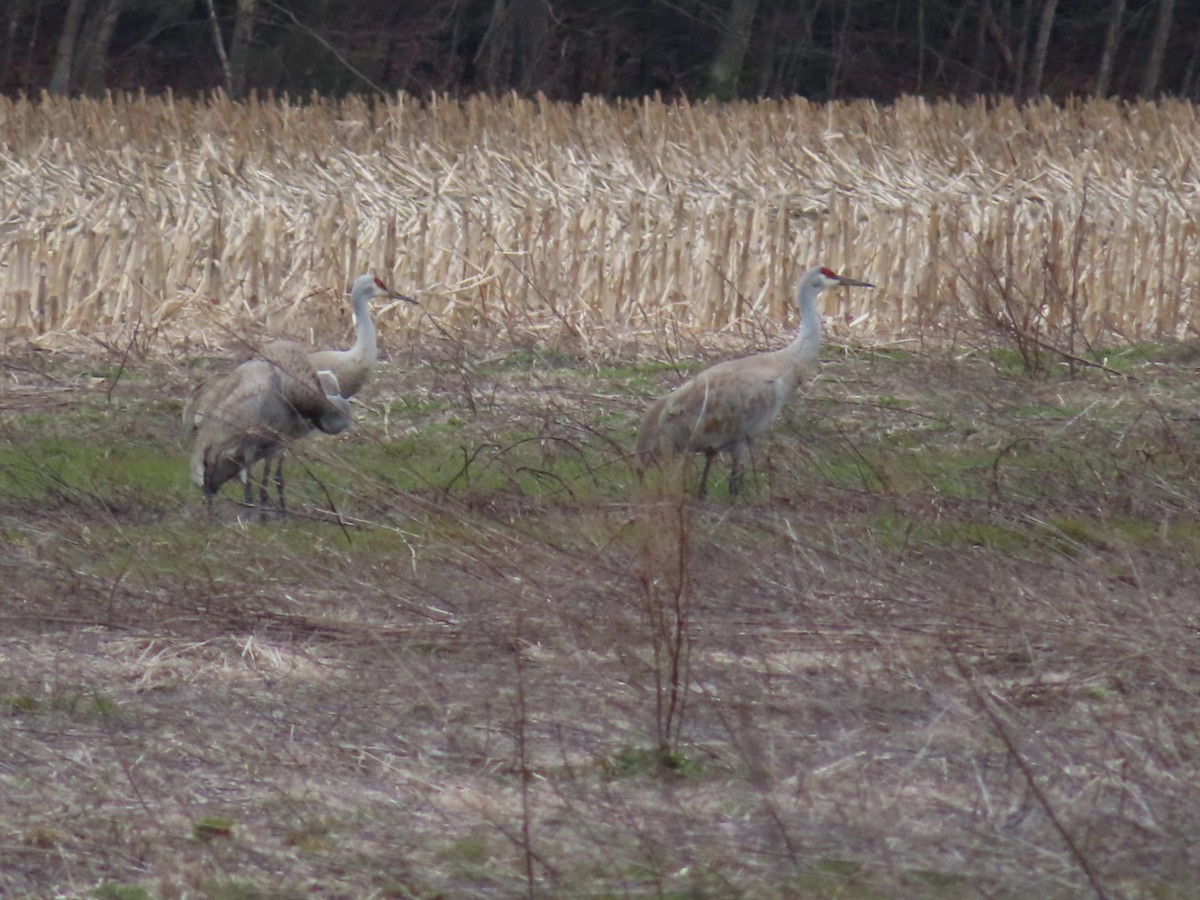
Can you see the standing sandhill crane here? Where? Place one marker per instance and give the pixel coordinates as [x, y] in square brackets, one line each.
[353, 367]
[725, 406]
[238, 418]
[350, 368]
[250, 414]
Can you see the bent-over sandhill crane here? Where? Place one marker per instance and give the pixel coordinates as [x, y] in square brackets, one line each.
[238, 418]
[250, 414]
[724, 407]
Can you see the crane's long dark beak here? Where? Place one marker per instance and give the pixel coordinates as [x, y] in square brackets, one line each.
[397, 299]
[853, 282]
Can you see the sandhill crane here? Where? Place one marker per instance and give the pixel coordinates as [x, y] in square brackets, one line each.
[727, 405]
[238, 418]
[250, 414]
[353, 367]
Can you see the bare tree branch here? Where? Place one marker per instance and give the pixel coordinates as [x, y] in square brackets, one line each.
[337, 54]
[219, 44]
[1162, 31]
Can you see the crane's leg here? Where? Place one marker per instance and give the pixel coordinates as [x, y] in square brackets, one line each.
[264, 498]
[737, 459]
[279, 482]
[210, 489]
[708, 458]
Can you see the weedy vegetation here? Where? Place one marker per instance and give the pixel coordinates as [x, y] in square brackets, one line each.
[944, 645]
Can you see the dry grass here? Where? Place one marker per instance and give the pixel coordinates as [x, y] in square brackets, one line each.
[946, 646]
[172, 221]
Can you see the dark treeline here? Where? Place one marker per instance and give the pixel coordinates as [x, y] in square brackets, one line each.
[823, 49]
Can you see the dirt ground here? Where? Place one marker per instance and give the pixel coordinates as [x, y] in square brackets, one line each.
[946, 645]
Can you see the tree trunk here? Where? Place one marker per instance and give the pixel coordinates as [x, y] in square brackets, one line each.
[64, 57]
[7, 72]
[727, 65]
[955, 37]
[219, 46]
[1111, 38]
[493, 56]
[1188, 88]
[1162, 31]
[974, 72]
[91, 56]
[1043, 45]
[530, 20]
[988, 23]
[920, 45]
[839, 59]
[510, 49]
[239, 46]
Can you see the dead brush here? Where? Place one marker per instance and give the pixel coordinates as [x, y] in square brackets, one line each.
[1035, 305]
[663, 577]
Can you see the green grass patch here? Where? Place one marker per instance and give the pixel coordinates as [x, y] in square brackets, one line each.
[912, 535]
[277, 550]
[312, 837]
[74, 704]
[914, 469]
[1042, 411]
[852, 880]
[1057, 534]
[14, 704]
[212, 828]
[1109, 532]
[526, 360]
[408, 407]
[89, 471]
[1134, 356]
[238, 889]
[649, 379]
[1008, 361]
[649, 762]
[866, 355]
[472, 850]
[520, 462]
[111, 890]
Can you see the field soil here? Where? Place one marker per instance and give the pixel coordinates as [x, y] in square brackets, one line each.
[946, 643]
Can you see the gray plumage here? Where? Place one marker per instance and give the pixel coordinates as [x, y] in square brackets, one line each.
[352, 367]
[724, 407]
[253, 413]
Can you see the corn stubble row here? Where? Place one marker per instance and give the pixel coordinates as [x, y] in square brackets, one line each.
[199, 220]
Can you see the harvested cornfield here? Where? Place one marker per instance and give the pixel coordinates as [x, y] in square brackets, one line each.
[188, 218]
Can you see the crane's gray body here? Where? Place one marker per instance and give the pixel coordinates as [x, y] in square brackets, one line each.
[726, 406]
[238, 418]
[353, 367]
[250, 414]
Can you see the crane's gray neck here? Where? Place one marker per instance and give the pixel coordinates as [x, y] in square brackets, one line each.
[364, 328]
[806, 346]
